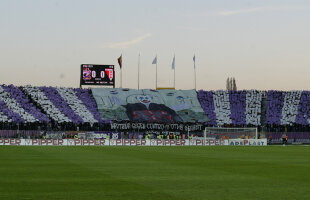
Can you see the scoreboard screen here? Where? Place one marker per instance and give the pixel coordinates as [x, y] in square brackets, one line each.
[97, 75]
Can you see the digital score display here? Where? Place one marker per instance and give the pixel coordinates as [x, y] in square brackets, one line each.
[97, 75]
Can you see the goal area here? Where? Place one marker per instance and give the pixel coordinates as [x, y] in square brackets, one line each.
[230, 133]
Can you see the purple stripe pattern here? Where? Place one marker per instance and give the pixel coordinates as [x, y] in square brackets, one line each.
[15, 117]
[303, 115]
[206, 101]
[237, 101]
[25, 103]
[274, 107]
[53, 95]
[88, 100]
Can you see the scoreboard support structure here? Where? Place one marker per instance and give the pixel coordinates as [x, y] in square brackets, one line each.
[100, 75]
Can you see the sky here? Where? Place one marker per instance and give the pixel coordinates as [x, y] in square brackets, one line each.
[264, 44]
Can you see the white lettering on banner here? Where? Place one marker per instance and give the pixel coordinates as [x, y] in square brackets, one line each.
[10, 141]
[208, 142]
[92, 142]
[132, 142]
[248, 142]
[158, 142]
[127, 142]
[46, 142]
[122, 126]
[156, 126]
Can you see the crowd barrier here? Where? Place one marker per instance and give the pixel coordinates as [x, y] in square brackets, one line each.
[132, 142]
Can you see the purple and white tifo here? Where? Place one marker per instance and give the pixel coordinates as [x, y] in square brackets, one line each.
[29, 104]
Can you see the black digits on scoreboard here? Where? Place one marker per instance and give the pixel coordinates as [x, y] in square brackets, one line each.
[97, 75]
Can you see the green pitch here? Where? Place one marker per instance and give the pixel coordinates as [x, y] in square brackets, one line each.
[222, 172]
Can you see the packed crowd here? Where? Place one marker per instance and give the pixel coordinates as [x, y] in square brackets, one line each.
[57, 108]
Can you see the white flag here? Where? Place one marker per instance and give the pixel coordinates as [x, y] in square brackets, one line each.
[173, 63]
[155, 60]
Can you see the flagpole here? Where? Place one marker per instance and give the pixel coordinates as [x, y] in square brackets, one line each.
[122, 72]
[121, 77]
[174, 79]
[139, 72]
[195, 78]
[195, 71]
[156, 71]
[174, 72]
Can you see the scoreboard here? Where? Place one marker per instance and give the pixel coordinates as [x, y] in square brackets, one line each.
[97, 75]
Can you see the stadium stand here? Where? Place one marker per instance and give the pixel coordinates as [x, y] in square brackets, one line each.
[253, 107]
[303, 115]
[234, 107]
[25, 103]
[222, 107]
[54, 96]
[288, 108]
[85, 96]
[3, 118]
[76, 105]
[206, 100]
[274, 109]
[237, 101]
[65, 104]
[44, 102]
[14, 108]
[71, 109]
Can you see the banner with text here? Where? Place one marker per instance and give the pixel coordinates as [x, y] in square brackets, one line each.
[132, 142]
[156, 106]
